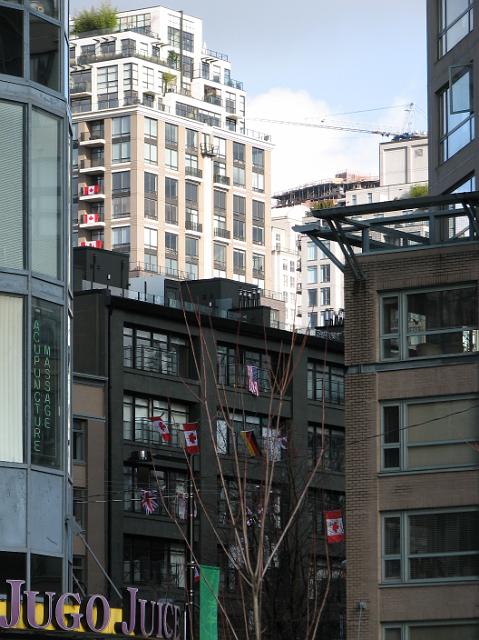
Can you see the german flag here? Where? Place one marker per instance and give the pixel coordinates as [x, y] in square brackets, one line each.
[251, 443]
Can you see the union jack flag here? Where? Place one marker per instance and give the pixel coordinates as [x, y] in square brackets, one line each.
[148, 502]
[252, 375]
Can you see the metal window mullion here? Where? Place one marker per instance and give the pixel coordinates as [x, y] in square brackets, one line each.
[443, 554]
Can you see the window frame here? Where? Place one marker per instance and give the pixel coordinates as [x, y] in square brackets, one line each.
[404, 554]
[445, 26]
[402, 334]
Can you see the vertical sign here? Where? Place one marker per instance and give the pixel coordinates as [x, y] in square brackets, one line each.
[46, 387]
[209, 585]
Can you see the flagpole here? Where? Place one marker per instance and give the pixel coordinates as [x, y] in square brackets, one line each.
[191, 563]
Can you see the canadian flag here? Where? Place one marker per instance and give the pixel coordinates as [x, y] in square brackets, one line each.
[162, 427]
[91, 189]
[90, 218]
[334, 526]
[191, 438]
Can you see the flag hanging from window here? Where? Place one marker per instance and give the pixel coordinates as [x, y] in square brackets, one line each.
[148, 502]
[252, 375]
[157, 422]
[197, 573]
[334, 526]
[251, 443]
[191, 438]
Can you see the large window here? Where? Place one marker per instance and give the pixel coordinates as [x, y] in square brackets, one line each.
[136, 424]
[120, 237]
[12, 172]
[462, 630]
[429, 434]
[325, 382]
[46, 194]
[153, 561]
[47, 366]
[156, 352]
[11, 389]
[45, 42]
[430, 545]
[455, 22]
[11, 34]
[328, 443]
[456, 111]
[429, 323]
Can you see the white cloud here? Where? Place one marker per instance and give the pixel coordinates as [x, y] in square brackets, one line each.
[305, 154]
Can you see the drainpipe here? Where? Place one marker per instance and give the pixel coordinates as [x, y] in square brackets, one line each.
[181, 51]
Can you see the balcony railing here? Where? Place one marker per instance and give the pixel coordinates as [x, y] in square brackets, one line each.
[80, 87]
[92, 190]
[191, 225]
[222, 233]
[230, 106]
[87, 136]
[220, 266]
[232, 373]
[210, 99]
[219, 179]
[193, 171]
[210, 53]
[258, 273]
[143, 431]
[156, 359]
[92, 163]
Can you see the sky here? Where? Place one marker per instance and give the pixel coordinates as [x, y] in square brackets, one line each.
[312, 61]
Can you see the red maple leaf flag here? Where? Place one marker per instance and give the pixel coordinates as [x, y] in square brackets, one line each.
[191, 438]
[334, 526]
[157, 422]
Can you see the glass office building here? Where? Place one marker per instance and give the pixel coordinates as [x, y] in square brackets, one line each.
[35, 299]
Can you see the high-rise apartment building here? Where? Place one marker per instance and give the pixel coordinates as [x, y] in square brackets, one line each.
[35, 300]
[165, 169]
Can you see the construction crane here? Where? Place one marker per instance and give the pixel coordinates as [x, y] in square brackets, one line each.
[334, 127]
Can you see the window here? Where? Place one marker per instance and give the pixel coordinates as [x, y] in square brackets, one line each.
[239, 229]
[257, 181]
[107, 79]
[327, 442]
[220, 147]
[171, 189]
[120, 236]
[466, 630]
[455, 22]
[429, 434]
[171, 159]
[150, 238]
[238, 176]
[239, 206]
[140, 22]
[324, 296]
[229, 430]
[120, 152]
[312, 297]
[219, 200]
[191, 139]
[239, 261]
[191, 247]
[456, 114]
[120, 182]
[137, 410]
[79, 440]
[191, 194]
[258, 266]
[120, 127]
[172, 484]
[258, 211]
[171, 135]
[430, 545]
[325, 273]
[151, 195]
[325, 381]
[12, 171]
[11, 31]
[148, 78]
[154, 351]
[130, 76]
[120, 206]
[153, 561]
[312, 275]
[258, 235]
[151, 152]
[171, 242]
[219, 256]
[151, 128]
[431, 322]
[45, 41]
[11, 361]
[258, 158]
[238, 152]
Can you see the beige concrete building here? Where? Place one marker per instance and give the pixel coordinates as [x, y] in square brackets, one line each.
[166, 170]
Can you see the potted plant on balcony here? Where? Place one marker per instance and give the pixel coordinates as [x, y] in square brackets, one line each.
[169, 82]
[172, 59]
[103, 18]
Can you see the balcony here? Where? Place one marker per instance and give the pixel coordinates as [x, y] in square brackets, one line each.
[216, 55]
[213, 77]
[222, 233]
[220, 266]
[208, 150]
[230, 106]
[258, 273]
[172, 362]
[92, 221]
[192, 225]
[94, 166]
[219, 179]
[194, 172]
[79, 89]
[96, 244]
[92, 138]
[212, 99]
[92, 192]
[121, 248]
[143, 431]
[232, 373]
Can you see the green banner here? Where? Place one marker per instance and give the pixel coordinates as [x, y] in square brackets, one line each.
[209, 584]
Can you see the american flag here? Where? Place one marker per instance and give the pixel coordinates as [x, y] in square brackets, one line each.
[148, 502]
[253, 384]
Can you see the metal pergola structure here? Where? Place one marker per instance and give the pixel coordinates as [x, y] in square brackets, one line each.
[425, 222]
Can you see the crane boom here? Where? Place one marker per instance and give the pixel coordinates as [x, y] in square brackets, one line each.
[334, 127]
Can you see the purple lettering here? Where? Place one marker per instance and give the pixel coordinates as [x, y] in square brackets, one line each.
[146, 633]
[167, 630]
[15, 598]
[31, 597]
[90, 608]
[128, 628]
[60, 613]
[177, 622]
[159, 630]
